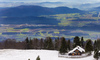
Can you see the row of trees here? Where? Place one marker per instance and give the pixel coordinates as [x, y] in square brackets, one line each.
[34, 43]
[29, 43]
[58, 44]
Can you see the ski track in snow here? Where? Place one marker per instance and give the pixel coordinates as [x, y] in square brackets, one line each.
[13, 54]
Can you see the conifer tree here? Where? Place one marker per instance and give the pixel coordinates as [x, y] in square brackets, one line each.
[68, 44]
[56, 44]
[88, 47]
[82, 42]
[41, 44]
[76, 41]
[45, 44]
[95, 44]
[27, 43]
[28, 59]
[98, 44]
[31, 44]
[63, 48]
[96, 54]
[50, 45]
[38, 58]
[36, 43]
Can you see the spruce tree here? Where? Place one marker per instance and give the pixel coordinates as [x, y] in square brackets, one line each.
[41, 44]
[96, 54]
[82, 42]
[31, 44]
[98, 44]
[76, 41]
[36, 43]
[28, 59]
[95, 44]
[45, 44]
[50, 45]
[56, 44]
[68, 44]
[38, 58]
[88, 47]
[63, 48]
[27, 43]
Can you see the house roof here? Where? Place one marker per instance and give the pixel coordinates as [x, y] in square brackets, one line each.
[78, 48]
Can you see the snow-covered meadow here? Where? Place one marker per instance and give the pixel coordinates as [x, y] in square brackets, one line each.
[12, 54]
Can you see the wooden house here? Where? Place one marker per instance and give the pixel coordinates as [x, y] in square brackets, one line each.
[76, 51]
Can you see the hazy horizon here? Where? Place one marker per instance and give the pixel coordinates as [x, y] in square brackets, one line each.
[82, 4]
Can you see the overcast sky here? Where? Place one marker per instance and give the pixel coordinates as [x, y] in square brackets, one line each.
[70, 1]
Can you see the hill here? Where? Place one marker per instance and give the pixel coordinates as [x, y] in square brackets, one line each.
[8, 54]
[32, 10]
[30, 14]
[96, 9]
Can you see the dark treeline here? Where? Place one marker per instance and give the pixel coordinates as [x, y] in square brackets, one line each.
[60, 44]
[50, 44]
[29, 43]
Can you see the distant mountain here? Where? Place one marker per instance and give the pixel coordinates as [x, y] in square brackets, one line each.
[44, 4]
[96, 9]
[31, 10]
[87, 6]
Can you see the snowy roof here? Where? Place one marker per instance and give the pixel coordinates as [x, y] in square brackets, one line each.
[78, 48]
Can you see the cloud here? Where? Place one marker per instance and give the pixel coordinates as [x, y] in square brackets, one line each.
[70, 1]
[80, 4]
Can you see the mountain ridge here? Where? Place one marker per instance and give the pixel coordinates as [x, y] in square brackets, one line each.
[33, 10]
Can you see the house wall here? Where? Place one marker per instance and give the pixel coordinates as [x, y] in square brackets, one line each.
[76, 52]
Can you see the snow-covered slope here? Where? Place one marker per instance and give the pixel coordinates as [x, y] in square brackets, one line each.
[9, 54]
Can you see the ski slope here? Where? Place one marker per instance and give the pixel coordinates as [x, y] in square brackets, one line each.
[11, 54]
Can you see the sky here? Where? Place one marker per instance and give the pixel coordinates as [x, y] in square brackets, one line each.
[70, 1]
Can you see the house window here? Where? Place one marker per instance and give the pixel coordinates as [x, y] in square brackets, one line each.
[73, 54]
[78, 53]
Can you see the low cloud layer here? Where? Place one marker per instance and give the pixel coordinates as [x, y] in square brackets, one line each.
[70, 1]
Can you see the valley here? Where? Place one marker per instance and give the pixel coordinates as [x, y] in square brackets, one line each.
[54, 22]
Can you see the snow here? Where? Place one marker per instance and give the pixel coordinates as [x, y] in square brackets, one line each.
[79, 48]
[12, 54]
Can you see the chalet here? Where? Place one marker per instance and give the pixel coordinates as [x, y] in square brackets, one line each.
[76, 51]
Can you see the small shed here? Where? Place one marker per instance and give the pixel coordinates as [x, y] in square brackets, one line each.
[76, 51]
